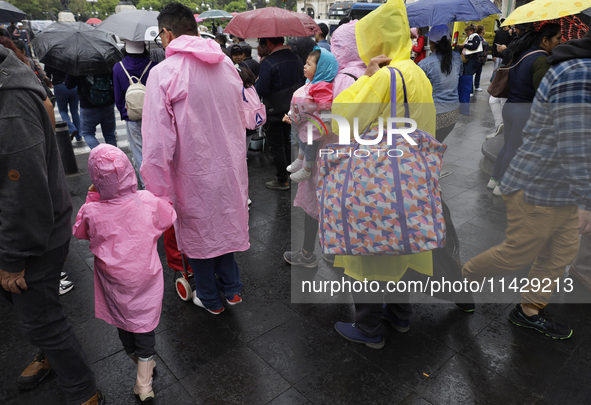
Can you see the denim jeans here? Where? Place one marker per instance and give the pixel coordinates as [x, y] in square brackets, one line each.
[42, 317]
[91, 117]
[309, 151]
[368, 310]
[134, 135]
[515, 117]
[68, 98]
[208, 286]
[471, 66]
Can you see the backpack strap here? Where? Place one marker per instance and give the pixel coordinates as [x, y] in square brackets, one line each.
[145, 70]
[127, 73]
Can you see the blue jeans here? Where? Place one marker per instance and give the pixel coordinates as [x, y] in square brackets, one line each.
[471, 67]
[40, 314]
[309, 151]
[208, 287]
[91, 117]
[134, 135]
[68, 98]
[515, 117]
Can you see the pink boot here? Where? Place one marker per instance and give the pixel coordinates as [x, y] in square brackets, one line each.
[143, 383]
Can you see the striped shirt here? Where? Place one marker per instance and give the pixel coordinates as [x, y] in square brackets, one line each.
[553, 166]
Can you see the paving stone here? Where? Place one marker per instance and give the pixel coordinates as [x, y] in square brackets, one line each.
[290, 397]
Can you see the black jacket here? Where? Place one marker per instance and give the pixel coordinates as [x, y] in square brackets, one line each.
[502, 37]
[35, 205]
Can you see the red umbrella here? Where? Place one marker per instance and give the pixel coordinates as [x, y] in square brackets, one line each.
[270, 22]
[234, 14]
[93, 21]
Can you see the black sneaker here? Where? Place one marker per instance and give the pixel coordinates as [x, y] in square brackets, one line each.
[277, 185]
[541, 323]
[298, 258]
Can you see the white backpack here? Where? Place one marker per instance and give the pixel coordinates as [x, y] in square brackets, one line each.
[254, 110]
[134, 96]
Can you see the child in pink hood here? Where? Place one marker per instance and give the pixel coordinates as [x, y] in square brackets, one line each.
[308, 102]
[123, 226]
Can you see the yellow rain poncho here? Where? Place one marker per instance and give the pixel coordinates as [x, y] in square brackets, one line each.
[386, 31]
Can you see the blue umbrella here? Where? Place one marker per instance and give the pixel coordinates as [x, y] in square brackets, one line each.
[427, 13]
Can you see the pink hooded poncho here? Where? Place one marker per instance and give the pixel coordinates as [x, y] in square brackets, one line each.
[193, 146]
[123, 226]
[342, 47]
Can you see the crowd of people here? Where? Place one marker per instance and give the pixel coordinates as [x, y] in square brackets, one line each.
[188, 175]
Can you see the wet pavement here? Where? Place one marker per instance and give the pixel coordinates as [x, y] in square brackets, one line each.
[270, 351]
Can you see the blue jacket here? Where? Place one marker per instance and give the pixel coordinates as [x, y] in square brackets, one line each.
[134, 66]
[324, 44]
[280, 70]
[445, 87]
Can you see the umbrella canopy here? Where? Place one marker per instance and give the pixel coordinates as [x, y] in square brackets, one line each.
[197, 18]
[234, 14]
[131, 24]
[425, 13]
[93, 21]
[10, 13]
[270, 22]
[539, 10]
[77, 49]
[212, 14]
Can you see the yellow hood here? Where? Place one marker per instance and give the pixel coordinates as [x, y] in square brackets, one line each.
[384, 31]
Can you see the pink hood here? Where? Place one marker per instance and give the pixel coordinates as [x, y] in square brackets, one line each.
[349, 60]
[206, 50]
[111, 172]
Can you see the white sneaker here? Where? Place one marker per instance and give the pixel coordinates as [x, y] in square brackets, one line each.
[492, 183]
[198, 302]
[497, 191]
[249, 201]
[478, 89]
[65, 286]
[295, 166]
[300, 175]
[498, 131]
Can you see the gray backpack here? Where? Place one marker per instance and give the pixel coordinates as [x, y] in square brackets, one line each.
[134, 96]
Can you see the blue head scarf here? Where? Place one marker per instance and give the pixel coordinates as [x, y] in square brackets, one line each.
[326, 68]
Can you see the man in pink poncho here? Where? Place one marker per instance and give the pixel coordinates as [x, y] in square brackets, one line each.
[194, 154]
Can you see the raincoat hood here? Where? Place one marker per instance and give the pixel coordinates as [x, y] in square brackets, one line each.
[385, 32]
[341, 48]
[111, 172]
[17, 75]
[326, 68]
[206, 50]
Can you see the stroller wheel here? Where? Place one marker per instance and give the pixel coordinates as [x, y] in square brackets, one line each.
[183, 288]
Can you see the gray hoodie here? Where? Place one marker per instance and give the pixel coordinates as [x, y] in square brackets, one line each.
[35, 206]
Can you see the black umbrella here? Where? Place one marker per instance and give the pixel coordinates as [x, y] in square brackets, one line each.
[10, 13]
[77, 49]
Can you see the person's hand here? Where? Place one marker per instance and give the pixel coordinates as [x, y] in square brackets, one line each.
[286, 119]
[92, 188]
[584, 226]
[13, 282]
[376, 63]
[501, 48]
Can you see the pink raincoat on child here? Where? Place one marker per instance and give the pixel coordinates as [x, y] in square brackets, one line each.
[193, 146]
[349, 62]
[123, 226]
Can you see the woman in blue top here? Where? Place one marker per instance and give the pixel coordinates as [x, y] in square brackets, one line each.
[443, 69]
[530, 66]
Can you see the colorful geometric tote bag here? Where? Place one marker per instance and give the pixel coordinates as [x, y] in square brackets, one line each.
[386, 203]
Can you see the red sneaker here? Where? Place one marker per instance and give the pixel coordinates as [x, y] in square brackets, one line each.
[236, 299]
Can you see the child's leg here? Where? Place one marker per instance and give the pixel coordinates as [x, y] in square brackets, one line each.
[128, 341]
[310, 154]
[299, 162]
[145, 344]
